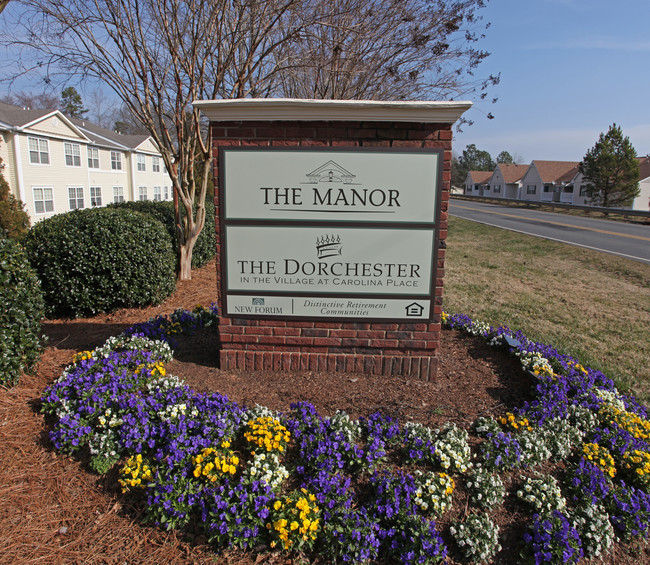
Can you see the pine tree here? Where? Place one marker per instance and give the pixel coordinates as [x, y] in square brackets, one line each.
[504, 158]
[611, 170]
[71, 103]
[472, 159]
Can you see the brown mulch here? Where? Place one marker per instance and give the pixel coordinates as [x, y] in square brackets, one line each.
[54, 511]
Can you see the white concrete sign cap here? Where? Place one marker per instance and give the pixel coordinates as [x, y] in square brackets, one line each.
[298, 109]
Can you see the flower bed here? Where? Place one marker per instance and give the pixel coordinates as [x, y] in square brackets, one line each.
[354, 490]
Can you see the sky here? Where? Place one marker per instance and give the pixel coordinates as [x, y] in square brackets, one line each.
[569, 70]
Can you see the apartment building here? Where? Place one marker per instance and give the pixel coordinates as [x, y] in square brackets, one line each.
[56, 164]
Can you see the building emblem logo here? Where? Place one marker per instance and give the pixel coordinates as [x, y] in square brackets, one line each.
[332, 173]
[258, 302]
[328, 246]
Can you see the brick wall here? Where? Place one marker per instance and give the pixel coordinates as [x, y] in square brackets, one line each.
[406, 349]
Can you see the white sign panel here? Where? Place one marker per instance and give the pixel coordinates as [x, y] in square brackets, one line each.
[335, 261]
[357, 308]
[347, 186]
[329, 233]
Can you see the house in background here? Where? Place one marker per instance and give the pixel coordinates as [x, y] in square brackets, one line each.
[476, 182]
[549, 181]
[56, 164]
[505, 182]
[641, 202]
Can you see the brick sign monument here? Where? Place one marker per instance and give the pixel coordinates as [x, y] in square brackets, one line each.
[331, 227]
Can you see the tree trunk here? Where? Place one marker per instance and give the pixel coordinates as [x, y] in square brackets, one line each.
[185, 265]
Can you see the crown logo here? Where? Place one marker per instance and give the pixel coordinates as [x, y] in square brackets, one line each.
[328, 246]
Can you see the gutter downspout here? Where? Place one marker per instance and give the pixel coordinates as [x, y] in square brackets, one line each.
[131, 155]
[18, 167]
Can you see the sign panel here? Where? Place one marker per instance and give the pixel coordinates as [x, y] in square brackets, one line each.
[329, 233]
[335, 261]
[345, 186]
[357, 308]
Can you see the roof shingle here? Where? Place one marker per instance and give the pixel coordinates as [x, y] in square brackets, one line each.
[556, 171]
[480, 177]
[512, 173]
[15, 116]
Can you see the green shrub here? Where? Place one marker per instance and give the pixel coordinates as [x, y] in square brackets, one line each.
[101, 259]
[14, 221]
[205, 246]
[21, 312]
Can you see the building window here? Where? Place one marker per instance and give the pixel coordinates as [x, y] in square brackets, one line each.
[118, 194]
[72, 154]
[39, 152]
[116, 160]
[141, 163]
[496, 188]
[166, 192]
[157, 194]
[155, 167]
[95, 196]
[93, 158]
[142, 193]
[548, 188]
[43, 200]
[76, 197]
[583, 190]
[531, 189]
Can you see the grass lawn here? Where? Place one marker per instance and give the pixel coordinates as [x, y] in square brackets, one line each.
[591, 305]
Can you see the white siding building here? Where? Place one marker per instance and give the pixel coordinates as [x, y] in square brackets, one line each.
[505, 182]
[641, 202]
[548, 181]
[476, 182]
[56, 164]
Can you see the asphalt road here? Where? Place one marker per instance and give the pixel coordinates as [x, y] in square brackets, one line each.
[619, 238]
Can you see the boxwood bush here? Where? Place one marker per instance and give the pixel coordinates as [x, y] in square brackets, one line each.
[205, 246]
[98, 260]
[21, 312]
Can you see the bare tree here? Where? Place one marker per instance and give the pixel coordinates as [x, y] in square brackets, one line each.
[102, 109]
[43, 101]
[3, 4]
[387, 49]
[125, 122]
[158, 56]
